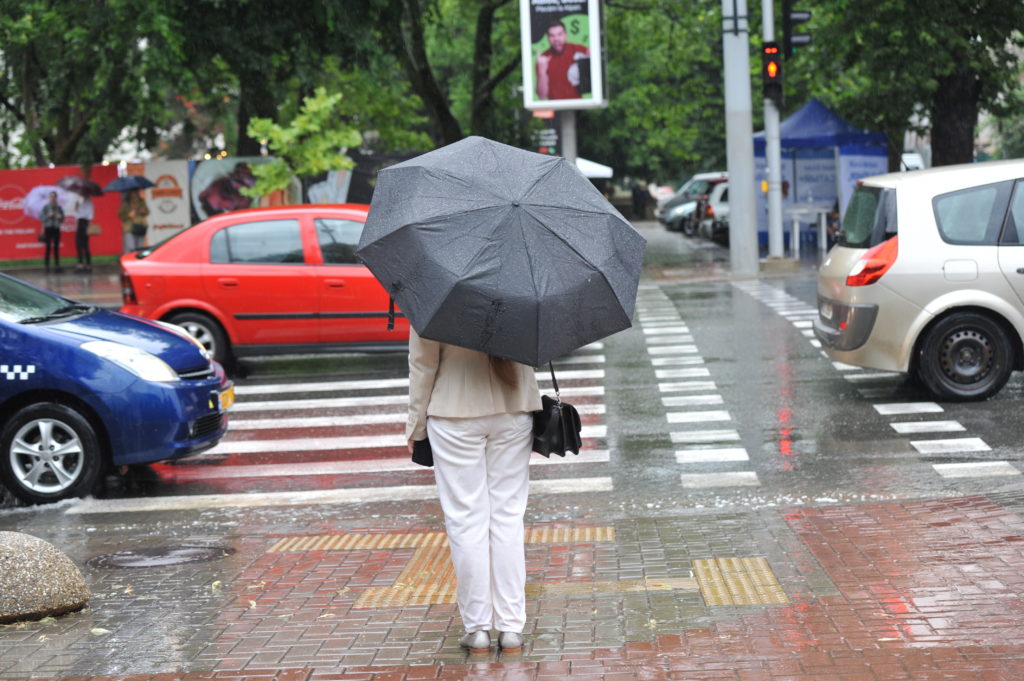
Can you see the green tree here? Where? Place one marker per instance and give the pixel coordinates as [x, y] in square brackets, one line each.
[881, 62]
[312, 143]
[74, 76]
[665, 118]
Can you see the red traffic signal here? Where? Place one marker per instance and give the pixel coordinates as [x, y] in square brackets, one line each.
[771, 72]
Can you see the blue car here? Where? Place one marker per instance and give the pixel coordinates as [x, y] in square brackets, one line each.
[82, 388]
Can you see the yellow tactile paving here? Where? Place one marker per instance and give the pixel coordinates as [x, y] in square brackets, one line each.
[429, 578]
[738, 581]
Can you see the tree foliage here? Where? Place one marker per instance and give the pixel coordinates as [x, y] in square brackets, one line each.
[879, 63]
[75, 75]
[311, 144]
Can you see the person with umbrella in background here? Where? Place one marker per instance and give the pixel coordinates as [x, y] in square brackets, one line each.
[86, 189]
[502, 259]
[133, 211]
[52, 215]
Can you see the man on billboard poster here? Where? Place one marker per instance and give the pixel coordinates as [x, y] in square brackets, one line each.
[559, 67]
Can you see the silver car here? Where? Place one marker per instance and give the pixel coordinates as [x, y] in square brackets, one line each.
[927, 277]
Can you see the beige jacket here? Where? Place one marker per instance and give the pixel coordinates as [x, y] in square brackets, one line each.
[453, 382]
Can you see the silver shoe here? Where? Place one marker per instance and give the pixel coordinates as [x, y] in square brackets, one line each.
[476, 641]
[510, 641]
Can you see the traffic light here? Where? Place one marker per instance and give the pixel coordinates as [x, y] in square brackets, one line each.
[791, 18]
[771, 72]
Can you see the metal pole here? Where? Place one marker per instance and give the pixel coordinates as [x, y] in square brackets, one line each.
[567, 123]
[739, 139]
[773, 148]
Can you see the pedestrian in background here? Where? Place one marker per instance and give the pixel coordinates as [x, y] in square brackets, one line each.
[52, 216]
[133, 214]
[477, 411]
[85, 213]
[639, 201]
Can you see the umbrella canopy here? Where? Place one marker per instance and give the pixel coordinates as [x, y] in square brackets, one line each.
[39, 196]
[127, 183]
[80, 185]
[501, 250]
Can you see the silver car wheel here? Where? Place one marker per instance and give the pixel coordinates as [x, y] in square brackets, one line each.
[965, 356]
[47, 456]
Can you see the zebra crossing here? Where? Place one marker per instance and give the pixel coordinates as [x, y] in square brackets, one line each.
[690, 398]
[801, 316]
[344, 434]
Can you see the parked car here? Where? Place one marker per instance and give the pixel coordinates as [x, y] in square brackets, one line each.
[677, 213]
[927, 277]
[712, 211]
[266, 280]
[82, 388]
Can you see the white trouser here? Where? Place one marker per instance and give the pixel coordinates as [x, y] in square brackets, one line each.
[482, 467]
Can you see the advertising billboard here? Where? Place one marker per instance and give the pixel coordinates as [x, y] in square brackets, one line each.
[563, 65]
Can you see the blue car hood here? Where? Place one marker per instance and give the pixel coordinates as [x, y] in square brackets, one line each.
[180, 353]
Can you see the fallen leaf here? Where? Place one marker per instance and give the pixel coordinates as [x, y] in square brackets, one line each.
[215, 586]
[46, 620]
[99, 631]
[326, 614]
[43, 637]
[256, 586]
[129, 589]
[252, 604]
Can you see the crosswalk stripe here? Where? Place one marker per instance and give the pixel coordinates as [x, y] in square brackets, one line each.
[685, 386]
[910, 427]
[375, 384]
[704, 436]
[975, 469]
[894, 408]
[354, 466]
[350, 420]
[691, 400]
[350, 495]
[657, 331]
[672, 349]
[715, 455]
[721, 479]
[960, 444]
[697, 416]
[324, 444]
[373, 400]
[675, 361]
[668, 340]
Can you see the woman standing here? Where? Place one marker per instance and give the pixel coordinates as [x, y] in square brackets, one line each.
[85, 214]
[52, 216]
[133, 212]
[476, 410]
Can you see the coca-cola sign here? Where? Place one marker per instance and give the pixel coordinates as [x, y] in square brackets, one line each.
[12, 204]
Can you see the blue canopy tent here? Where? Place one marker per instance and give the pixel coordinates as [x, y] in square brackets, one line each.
[822, 158]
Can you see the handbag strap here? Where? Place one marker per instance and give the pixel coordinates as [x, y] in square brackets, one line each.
[554, 381]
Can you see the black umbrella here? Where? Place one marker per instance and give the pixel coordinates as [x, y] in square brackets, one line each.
[80, 185]
[127, 183]
[501, 250]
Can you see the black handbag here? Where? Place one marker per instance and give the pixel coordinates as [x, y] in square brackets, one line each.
[422, 453]
[556, 427]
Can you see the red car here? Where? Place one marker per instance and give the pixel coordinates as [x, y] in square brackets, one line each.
[266, 280]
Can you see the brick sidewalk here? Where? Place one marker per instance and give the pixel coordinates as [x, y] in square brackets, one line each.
[915, 590]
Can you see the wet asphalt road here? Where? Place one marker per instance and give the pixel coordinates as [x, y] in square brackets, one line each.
[718, 397]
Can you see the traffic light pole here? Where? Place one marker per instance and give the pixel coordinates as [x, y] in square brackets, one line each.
[739, 139]
[773, 148]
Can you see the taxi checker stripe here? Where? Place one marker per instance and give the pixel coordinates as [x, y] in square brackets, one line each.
[17, 371]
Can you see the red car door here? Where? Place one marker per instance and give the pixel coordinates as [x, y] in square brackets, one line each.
[258, 276]
[353, 304]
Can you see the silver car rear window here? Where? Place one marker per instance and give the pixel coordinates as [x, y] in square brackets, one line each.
[870, 217]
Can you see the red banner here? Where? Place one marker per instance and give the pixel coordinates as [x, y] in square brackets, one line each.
[19, 233]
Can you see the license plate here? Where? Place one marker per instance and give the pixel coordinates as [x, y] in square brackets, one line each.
[226, 398]
[826, 310]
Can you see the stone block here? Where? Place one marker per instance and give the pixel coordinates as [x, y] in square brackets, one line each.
[37, 580]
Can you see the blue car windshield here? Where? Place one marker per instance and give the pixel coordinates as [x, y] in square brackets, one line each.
[25, 304]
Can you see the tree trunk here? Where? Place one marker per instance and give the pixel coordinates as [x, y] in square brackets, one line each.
[413, 55]
[254, 101]
[954, 115]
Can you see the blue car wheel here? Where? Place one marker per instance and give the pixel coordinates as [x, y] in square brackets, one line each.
[48, 452]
